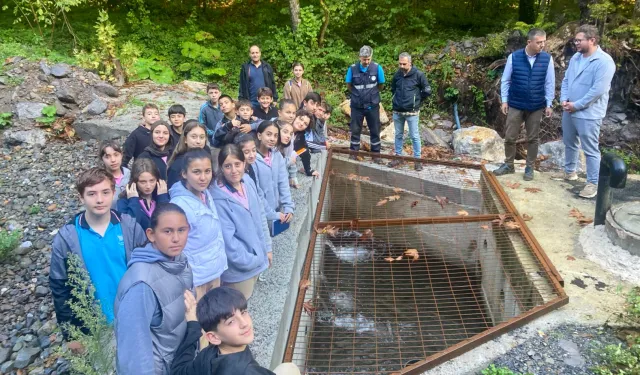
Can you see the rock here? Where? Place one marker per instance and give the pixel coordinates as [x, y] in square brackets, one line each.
[7, 367]
[25, 357]
[479, 142]
[60, 109]
[388, 134]
[25, 262]
[619, 117]
[23, 249]
[60, 70]
[29, 110]
[41, 291]
[30, 137]
[631, 132]
[445, 124]
[553, 153]
[444, 135]
[429, 137]
[88, 131]
[435, 117]
[108, 90]
[47, 328]
[37, 371]
[345, 107]
[467, 44]
[5, 353]
[96, 107]
[195, 86]
[44, 342]
[18, 346]
[44, 67]
[66, 95]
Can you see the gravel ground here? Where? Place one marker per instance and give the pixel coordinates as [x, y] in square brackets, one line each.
[566, 350]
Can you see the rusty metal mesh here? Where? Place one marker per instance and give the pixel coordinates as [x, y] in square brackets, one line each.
[405, 284]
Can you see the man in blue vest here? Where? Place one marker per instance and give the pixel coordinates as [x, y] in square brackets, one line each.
[527, 89]
[364, 80]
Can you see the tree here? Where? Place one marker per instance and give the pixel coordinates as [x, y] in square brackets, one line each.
[636, 9]
[294, 8]
[527, 11]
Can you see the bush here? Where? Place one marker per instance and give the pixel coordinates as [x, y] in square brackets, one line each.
[495, 45]
[493, 370]
[8, 242]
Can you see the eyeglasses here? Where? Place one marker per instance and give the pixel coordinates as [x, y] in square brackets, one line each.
[577, 41]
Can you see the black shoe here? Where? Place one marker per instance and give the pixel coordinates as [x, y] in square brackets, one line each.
[378, 161]
[528, 174]
[394, 163]
[504, 169]
[418, 166]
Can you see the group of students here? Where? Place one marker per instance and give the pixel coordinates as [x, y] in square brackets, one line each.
[177, 222]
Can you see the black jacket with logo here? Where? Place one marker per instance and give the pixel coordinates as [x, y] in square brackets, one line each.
[409, 90]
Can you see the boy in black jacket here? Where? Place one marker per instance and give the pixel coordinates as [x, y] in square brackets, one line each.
[140, 137]
[222, 314]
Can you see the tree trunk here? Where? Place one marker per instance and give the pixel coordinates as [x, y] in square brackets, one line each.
[636, 9]
[294, 8]
[325, 23]
[527, 11]
[585, 12]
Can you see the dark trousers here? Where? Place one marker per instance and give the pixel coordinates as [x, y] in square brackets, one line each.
[515, 118]
[373, 122]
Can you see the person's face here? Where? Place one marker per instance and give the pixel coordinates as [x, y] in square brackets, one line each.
[310, 106]
[536, 45]
[301, 123]
[198, 175]
[146, 184]
[582, 43]
[365, 61]
[97, 198]
[288, 113]
[235, 331]
[404, 64]
[285, 134]
[171, 233]
[255, 54]
[319, 113]
[245, 112]
[298, 71]
[233, 169]
[112, 159]
[226, 105]
[269, 137]
[197, 138]
[160, 136]
[214, 95]
[265, 101]
[177, 119]
[151, 115]
[249, 150]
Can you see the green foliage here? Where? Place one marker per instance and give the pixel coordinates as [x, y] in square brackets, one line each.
[34, 209]
[540, 23]
[493, 370]
[48, 115]
[632, 160]
[451, 94]
[103, 57]
[629, 31]
[200, 60]
[5, 119]
[495, 45]
[8, 242]
[478, 102]
[98, 357]
[632, 308]
[152, 69]
[619, 360]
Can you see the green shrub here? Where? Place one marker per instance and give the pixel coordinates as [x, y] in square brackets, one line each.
[5, 119]
[8, 242]
[619, 360]
[494, 46]
[34, 209]
[48, 115]
[153, 70]
[630, 158]
[493, 370]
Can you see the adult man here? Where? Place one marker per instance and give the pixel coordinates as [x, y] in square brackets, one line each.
[528, 85]
[409, 87]
[584, 96]
[364, 80]
[254, 75]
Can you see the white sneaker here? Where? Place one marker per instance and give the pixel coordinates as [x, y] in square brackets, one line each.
[590, 190]
[564, 176]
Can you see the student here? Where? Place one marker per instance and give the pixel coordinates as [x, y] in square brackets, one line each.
[143, 193]
[149, 307]
[230, 125]
[300, 146]
[205, 246]
[102, 239]
[194, 136]
[222, 314]
[244, 225]
[210, 114]
[265, 110]
[297, 87]
[245, 110]
[140, 138]
[160, 148]
[311, 101]
[247, 143]
[271, 172]
[177, 115]
[111, 155]
[287, 151]
[287, 110]
[316, 135]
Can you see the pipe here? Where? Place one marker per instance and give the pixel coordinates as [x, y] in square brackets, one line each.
[455, 114]
[613, 174]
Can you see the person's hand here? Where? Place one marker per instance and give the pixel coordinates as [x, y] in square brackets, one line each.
[254, 118]
[568, 107]
[270, 257]
[162, 186]
[76, 347]
[190, 306]
[246, 128]
[235, 123]
[288, 217]
[504, 108]
[548, 112]
[292, 183]
[315, 174]
[132, 191]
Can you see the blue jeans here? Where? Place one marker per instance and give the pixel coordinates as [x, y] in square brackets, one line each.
[588, 132]
[414, 133]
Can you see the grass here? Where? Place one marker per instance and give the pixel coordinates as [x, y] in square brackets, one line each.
[8, 242]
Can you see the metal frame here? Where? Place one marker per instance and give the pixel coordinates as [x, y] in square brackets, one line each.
[474, 341]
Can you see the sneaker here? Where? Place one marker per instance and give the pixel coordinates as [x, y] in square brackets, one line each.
[394, 163]
[528, 174]
[564, 176]
[418, 166]
[504, 169]
[590, 190]
[378, 161]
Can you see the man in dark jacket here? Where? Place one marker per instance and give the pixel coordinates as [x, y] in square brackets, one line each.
[255, 74]
[409, 88]
[527, 89]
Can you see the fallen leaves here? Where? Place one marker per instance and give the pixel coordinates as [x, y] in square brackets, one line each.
[442, 201]
[476, 140]
[308, 307]
[382, 202]
[500, 220]
[462, 172]
[393, 198]
[329, 229]
[533, 190]
[569, 257]
[582, 220]
[462, 213]
[505, 221]
[513, 185]
[469, 182]
[485, 227]
[355, 177]
[527, 217]
[511, 225]
[388, 199]
[413, 253]
[52, 207]
[389, 259]
[305, 284]
[397, 190]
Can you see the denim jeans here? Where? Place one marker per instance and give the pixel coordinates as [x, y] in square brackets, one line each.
[588, 134]
[414, 133]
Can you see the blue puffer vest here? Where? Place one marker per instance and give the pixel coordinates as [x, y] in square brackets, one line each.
[365, 86]
[527, 83]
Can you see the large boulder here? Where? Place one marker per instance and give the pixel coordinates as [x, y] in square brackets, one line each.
[106, 89]
[553, 155]
[388, 134]
[96, 107]
[31, 137]
[345, 107]
[480, 143]
[431, 138]
[25, 357]
[66, 94]
[29, 110]
[195, 86]
[89, 130]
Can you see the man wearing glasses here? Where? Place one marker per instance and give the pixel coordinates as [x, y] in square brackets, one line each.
[527, 89]
[584, 96]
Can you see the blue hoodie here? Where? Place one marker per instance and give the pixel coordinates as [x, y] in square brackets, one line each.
[274, 182]
[205, 246]
[245, 232]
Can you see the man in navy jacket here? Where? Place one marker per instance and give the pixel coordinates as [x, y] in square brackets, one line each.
[254, 75]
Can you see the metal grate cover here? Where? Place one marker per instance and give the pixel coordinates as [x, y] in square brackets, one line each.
[407, 269]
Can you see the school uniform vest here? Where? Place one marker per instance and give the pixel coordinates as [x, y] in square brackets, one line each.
[168, 280]
[365, 86]
[526, 92]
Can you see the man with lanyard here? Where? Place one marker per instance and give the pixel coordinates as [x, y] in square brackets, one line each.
[364, 80]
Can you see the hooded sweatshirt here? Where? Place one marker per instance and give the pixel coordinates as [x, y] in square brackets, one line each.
[135, 144]
[150, 326]
[159, 157]
[174, 171]
[205, 246]
[244, 230]
[121, 186]
[274, 182]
